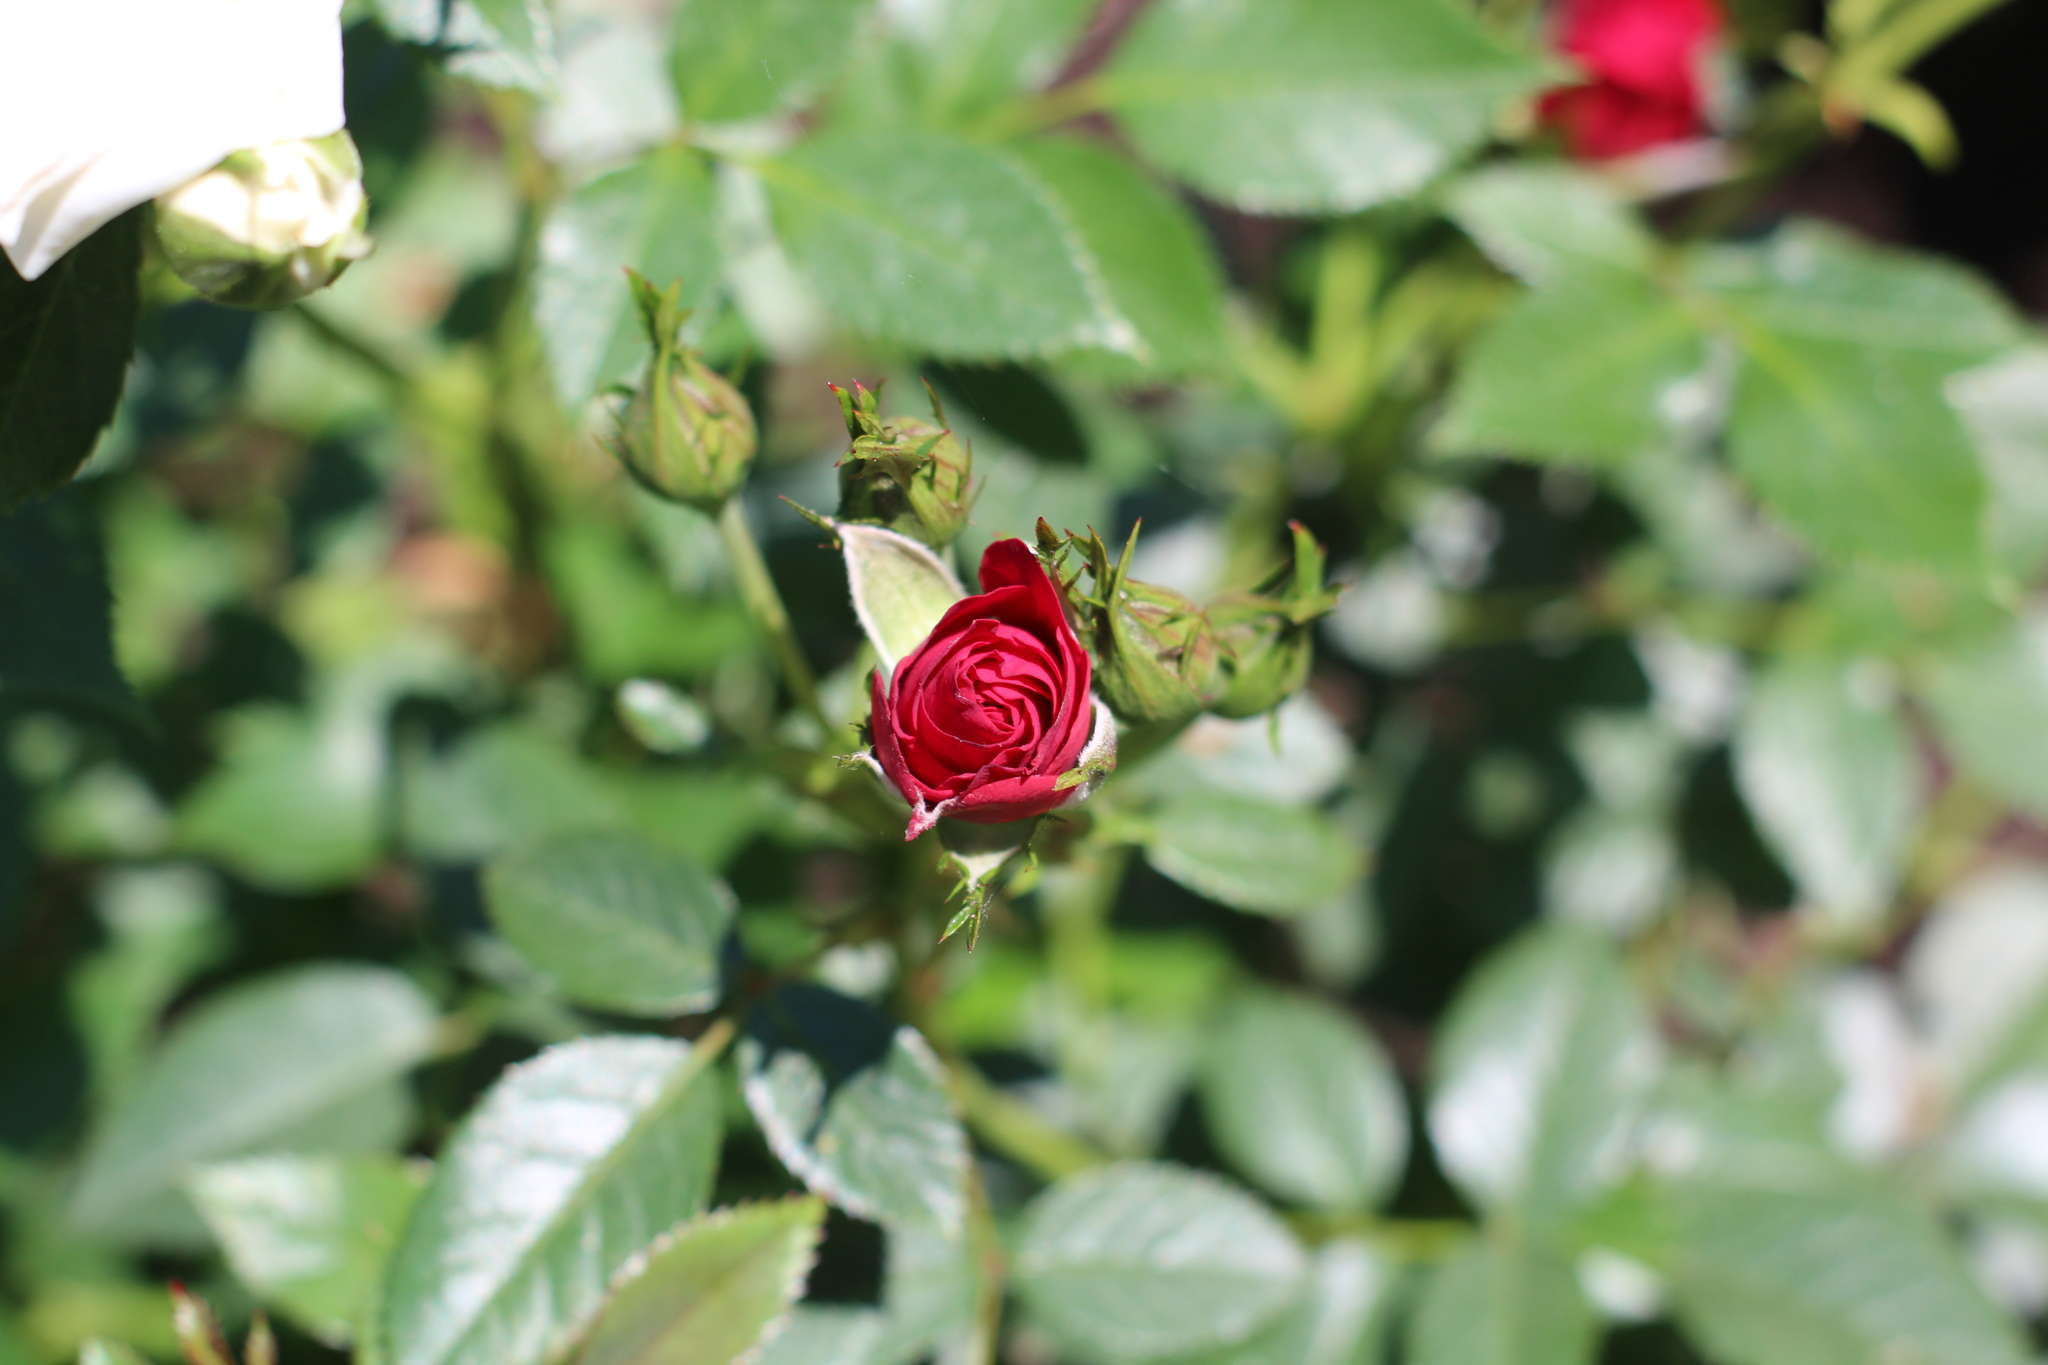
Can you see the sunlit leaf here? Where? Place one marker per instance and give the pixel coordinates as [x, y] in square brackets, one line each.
[1143, 1260]
[269, 1064]
[568, 1169]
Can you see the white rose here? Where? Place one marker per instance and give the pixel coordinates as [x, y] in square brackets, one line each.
[109, 103]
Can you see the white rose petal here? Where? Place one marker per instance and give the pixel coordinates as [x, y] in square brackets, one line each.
[109, 103]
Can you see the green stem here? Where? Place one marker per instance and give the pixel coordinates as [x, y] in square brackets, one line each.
[1048, 109]
[764, 604]
[1015, 1129]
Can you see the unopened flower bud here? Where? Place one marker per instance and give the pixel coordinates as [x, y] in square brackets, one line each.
[1265, 634]
[269, 225]
[1156, 657]
[686, 434]
[905, 473]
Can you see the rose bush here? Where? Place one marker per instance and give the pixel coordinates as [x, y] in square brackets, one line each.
[982, 720]
[1643, 61]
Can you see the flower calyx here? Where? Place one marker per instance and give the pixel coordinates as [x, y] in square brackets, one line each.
[686, 434]
[910, 475]
[268, 225]
[1156, 651]
[1267, 634]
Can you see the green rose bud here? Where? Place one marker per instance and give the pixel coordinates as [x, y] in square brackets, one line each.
[269, 225]
[1156, 655]
[910, 475]
[1266, 637]
[686, 434]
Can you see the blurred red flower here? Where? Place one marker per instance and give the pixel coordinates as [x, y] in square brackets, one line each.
[1642, 59]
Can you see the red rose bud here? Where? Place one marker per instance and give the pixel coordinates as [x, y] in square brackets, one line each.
[1266, 634]
[905, 473]
[687, 434]
[1643, 60]
[1155, 649]
[991, 717]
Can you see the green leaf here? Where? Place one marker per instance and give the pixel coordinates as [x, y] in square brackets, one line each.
[618, 921]
[1540, 1073]
[309, 1234]
[1829, 773]
[883, 1143]
[1250, 854]
[1990, 700]
[1141, 1259]
[1851, 1276]
[826, 1334]
[1977, 975]
[1593, 366]
[1152, 258]
[1840, 421]
[940, 244]
[737, 59]
[263, 1066]
[1300, 1097]
[56, 629]
[1545, 221]
[970, 56]
[1494, 1305]
[656, 216]
[65, 340]
[929, 1294]
[2005, 407]
[499, 787]
[507, 43]
[163, 925]
[296, 803]
[710, 1291]
[1338, 1320]
[567, 1170]
[900, 588]
[1309, 106]
[98, 1352]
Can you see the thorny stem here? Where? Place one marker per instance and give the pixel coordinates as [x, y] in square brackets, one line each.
[764, 604]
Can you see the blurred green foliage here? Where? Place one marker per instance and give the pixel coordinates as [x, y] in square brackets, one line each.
[431, 910]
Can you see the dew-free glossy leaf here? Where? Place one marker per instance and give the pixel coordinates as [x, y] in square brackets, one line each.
[736, 59]
[1990, 700]
[1540, 1072]
[65, 340]
[2005, 407]
[900, 588]
[567, 1169]
[1339, 1318]
[618, 921]
[969, 56]
[1301, 1099]
[883, 1143]
[1546, 220]
[56, 627]
[1143, 1259]
[710, 1291]
[1592, 367]
[256, 1066]
[1840, 419]
[1850, 1276]
[1506, 1305]
[309, 1234]
[1305, 106]
[941, 244]
[1149, 254]
[1830, 776]
[1251, 854]
[655, 216]
[506, 43]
